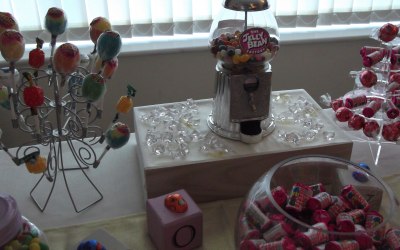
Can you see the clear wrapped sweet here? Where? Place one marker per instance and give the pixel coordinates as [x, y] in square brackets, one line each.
[318, 202]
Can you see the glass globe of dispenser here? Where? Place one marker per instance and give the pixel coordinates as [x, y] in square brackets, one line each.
[244, 35]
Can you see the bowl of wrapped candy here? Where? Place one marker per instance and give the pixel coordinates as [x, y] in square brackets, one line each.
[318, 202]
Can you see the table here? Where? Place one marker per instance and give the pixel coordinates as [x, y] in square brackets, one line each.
[123, 215]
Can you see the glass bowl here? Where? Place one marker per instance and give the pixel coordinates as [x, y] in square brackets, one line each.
[317, 202]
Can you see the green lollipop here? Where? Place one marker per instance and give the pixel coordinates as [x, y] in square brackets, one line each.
[93, 87]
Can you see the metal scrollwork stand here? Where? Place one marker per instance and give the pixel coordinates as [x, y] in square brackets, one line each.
[64, 123]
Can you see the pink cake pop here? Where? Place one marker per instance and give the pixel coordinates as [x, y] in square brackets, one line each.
[7, 21]
[12, 45]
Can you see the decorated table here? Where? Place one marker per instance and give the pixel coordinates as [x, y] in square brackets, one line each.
[121, 212]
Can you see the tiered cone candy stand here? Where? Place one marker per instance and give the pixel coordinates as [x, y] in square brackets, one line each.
[373, 104]
[62, 120]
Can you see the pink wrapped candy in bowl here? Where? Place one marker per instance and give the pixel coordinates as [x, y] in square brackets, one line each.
[318, 202]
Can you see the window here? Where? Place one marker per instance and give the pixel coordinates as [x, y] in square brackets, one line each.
[183, 21]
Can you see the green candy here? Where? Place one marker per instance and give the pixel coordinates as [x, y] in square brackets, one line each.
[43, 246]
[93, 87]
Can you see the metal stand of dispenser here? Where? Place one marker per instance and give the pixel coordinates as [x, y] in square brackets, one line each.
[241, 108]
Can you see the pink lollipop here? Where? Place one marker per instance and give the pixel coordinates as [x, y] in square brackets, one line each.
[7, 21]
[66, 58]
[12, 45]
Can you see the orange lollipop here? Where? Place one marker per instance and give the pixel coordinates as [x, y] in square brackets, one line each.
[7, 21]
[66, 58]
[12, 45]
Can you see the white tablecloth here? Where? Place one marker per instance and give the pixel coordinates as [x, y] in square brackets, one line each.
[119, 178]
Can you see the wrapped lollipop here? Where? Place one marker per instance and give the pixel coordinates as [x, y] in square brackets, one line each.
[98, 26]
[388, 32]
[33, 97]
[55, 23]
[7, 21]
[4, 101]
[125, 103]
[36, 165]
[36, 56]
[116, 136]
[107, 68]
[93, 87]
[108, 45]
[65, 60]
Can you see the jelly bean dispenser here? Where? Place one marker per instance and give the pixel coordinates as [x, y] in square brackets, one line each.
[244, 38]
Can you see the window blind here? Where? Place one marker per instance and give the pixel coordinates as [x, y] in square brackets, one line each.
[170, 17]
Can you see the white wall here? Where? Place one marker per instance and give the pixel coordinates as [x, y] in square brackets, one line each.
[170, 77]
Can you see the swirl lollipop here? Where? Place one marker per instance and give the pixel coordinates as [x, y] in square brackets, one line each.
[55, 22]
[93, 87]
[12, 45]
[109, 45]
[116, 136]
[7, 21]
[66, 59]
[98, 26]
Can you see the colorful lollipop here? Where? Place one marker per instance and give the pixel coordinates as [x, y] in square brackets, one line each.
[36, 165]
[117, 135]
[108, 45]
[55, 21]
[98, 26]
[12, 45]
[106, 69]
[93, 87]
[33, 94]
[4, 100]
[66, 59]
[125, 102]
[7, 21]
[36, 56]
[33, 97]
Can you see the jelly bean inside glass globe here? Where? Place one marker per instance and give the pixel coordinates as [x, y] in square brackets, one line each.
[300, 202]
[237, 41]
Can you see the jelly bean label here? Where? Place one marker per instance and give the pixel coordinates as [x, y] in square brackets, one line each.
[254, 40]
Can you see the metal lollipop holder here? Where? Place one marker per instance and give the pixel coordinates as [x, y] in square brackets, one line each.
[244, 40]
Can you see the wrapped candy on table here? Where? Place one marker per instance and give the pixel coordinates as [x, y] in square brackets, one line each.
[347, 221]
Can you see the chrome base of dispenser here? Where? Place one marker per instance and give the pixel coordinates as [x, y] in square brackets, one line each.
[233, 132]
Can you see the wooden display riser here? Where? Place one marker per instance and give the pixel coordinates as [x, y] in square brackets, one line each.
[208, 178]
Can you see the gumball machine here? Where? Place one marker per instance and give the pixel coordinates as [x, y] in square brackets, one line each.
[244, 38]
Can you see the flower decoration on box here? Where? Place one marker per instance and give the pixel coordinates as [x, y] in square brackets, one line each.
[373, 104]
[58, 106]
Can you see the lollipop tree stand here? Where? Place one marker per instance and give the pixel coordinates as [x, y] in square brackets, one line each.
[373, 104]
[58, 106]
